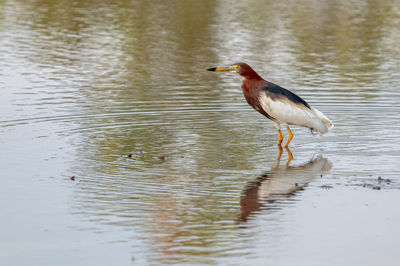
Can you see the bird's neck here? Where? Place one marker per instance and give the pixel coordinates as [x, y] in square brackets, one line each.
[253, 83]
[252, 86]
[252, 76]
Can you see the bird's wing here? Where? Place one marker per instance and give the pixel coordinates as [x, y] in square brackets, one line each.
[288, 108]
[274, 91]
[286, 111]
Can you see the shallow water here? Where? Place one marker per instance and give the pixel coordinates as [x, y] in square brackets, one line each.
[170, 164]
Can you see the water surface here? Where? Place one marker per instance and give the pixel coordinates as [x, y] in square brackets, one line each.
[170, 164]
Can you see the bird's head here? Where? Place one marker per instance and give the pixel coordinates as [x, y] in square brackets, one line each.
[242, 69]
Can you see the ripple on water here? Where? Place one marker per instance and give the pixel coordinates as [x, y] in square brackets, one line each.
[86, 85]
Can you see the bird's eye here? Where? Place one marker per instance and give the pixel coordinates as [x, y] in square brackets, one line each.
[235, 67]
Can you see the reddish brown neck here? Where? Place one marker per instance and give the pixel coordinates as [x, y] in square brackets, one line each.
[251, 74]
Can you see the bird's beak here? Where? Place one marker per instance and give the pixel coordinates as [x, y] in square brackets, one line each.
[222, 69]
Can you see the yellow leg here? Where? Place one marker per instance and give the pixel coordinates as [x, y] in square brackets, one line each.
[290, 137]
[280, 137]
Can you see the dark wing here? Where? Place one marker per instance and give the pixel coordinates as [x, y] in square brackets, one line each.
[275, 92]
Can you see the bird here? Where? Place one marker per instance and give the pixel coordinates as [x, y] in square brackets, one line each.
[278, 104]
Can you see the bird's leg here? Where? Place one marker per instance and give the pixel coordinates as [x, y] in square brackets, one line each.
[278, 126]
[290, 137]
[280, 137]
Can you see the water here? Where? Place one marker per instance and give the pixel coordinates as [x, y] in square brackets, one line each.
[170, 164]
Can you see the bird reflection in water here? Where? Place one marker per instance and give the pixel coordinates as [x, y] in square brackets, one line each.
[281, 182]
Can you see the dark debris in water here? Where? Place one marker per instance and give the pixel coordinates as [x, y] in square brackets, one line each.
[140, 155]
[374, 183]
[368, 183]
[133, 155]
[380, 179]
[326, 187]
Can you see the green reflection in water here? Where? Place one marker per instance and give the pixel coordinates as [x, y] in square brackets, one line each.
[129, 78]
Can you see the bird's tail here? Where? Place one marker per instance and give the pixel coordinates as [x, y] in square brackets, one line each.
[327, 124]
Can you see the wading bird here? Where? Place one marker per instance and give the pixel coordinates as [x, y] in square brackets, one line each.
[276, 103]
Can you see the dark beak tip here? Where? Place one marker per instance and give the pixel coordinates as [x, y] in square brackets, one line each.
[211, 69]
